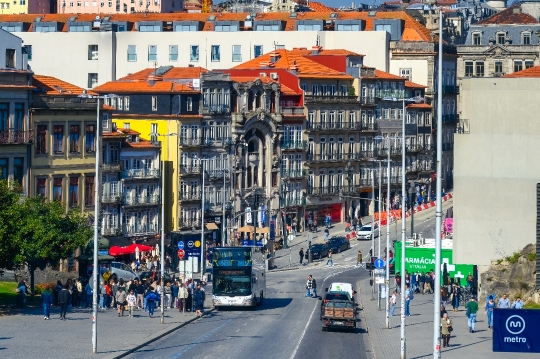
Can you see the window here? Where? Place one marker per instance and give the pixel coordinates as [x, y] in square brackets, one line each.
[10, 58]
[225, 28]
[500, 38]
[152, 53]
[469, 69]
[58, 139]
[154, 103]
[529, 64]
[344, 90]
[41, 139]
[132, 53]
[40, 186]
[92, 52]
[92, 80]
[149, 28]
[480, 69]
[126, 103]
[89, 191]
[309, 27]
[173, 53]
[73, 196]
[315, 90]
[189, 104]
[57, 189]
[74, 134]
[27, 49]
[153, 132]
[90, 138]
[194, 53]
[4, 168]
[381, 27]
[341, 27]
[526, 38]
[406, 73]
[477, 38]
[498, 67]
[518, 66]
[120, 102]
[257, 50]
[215, 53]
[237, 53]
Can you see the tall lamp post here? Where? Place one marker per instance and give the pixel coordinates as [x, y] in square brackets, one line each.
[284, 191]
[203, 208]
[412, 202]
[349, 171]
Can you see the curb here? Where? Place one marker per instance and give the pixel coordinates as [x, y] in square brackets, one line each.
[159, 336]
[283, 270]
[367, 324]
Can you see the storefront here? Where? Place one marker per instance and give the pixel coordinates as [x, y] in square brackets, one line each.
[319, 212]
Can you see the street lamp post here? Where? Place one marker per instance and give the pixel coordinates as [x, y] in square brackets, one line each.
[203, 207]
[412, 202]
[403, 239]
[285, 190]
[387, 279]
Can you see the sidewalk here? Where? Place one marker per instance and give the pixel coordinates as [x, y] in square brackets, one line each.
[28, 335]
[419, 330]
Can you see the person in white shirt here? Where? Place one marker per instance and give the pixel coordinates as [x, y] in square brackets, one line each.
[393, 303]
[131, 301]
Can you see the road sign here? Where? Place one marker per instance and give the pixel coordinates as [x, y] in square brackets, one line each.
[180, 245]
[249, 219]
[181, 254]
[379, 271]
[379, 263]
[379, 280]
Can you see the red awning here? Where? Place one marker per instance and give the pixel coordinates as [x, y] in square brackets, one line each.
[118, 251]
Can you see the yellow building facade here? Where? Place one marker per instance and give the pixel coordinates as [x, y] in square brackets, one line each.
[25, 7]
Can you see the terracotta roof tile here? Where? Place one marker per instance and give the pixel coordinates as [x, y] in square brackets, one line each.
[319, 7]
[114, 134]
[414, 85]
[16, 87]
[288, 91]
[55, 87]
[128, 131]
[119, 87]
[411, 35]
[530, 72]
[388, 76]
[153, 116]
[173, 73]
[325, 52]
[508, 17]
[141, 144]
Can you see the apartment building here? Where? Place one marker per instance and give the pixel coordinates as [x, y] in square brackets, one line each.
[16, 135]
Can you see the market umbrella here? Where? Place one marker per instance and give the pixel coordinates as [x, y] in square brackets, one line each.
[117, 251]
[132, 248]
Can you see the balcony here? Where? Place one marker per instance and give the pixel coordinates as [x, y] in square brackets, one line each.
[451, 89]
[294, 145]
[393, 180]
[190, 169]
[227, 141]
[189, 223]
[366, 182]
[193, 195]
[330, 99]
[16, 137]
[391, 95]
[368, 100]
[292, 202]
[287, 110]
[369, 126]
[213, 207]
[329, 157]
[383, 152]
[464, 126]
[216, 109]
[111, 231]
[117, 166]
[141, 173]
[450, 118]
[293, 173]
[110, 199]
[190, 142]
[136, 201]
[324, 191]
[216, 174]
[326, 126]
[414, 148]
[140, 230]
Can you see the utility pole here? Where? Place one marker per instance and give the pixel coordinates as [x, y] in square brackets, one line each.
[387, 277]
[403, 229]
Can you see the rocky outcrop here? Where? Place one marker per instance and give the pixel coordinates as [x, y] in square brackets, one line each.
[44, 276]
[514, 275]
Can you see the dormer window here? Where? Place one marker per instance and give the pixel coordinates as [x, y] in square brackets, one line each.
[500, 38]
[477, 38]
[526, 38]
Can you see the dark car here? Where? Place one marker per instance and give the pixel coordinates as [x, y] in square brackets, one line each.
[338, 244]
[317, 251]
[143, 276]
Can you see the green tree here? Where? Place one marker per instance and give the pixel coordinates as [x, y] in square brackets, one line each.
[10, 215]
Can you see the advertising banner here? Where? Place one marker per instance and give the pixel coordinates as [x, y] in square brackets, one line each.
[516, 330]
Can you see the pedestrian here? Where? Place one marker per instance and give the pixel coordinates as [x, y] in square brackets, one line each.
[63, 301]
[308, 286]
[408, 297]
[56, 291]
[313, 287]
[151, 299]
[330, 261]
[121, 301]
[456, 292]
[518, 303]
[446, 330]
[397, 279]
[414, 281]
[174, 294]
[199, 301]
[359, 258]
[89, 295]
[354, 223]
[131, 302]
[490, 305]
[504, 302]
[393, 299]
[326, 234]
[444, 297]
[168, 294]
[46, 300]
[294, 226]
[301, 254]
[428, 284]
[422, 281]
[182, 296]
[472, 309]
[328, 221]
[80, 292]
[139, 290]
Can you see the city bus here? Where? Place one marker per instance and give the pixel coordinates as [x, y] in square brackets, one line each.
[238, 277]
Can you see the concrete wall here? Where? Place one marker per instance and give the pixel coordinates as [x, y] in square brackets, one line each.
[496, 169]
[10, 41]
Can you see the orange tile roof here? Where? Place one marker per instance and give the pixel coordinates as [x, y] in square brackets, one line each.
[410, 34]
[326, 52]
[414, 85]
[203, 17]
[530, 72]
[114, 134]
[288, 91]
[288, 59]
[119, 87]
[16, 87]
[319, 7]
[136, 115]
[141, 144]
[420, 106]
[508, 17]
[128, 131]
[387, 76]
[55, 87]
[173, 73]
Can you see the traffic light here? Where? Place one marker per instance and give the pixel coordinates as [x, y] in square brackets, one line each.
[371, 282]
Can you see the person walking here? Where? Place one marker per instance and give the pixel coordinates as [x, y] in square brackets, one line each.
[151, 299]
[472, 309]
[182, 295]
[408, 297]
[359, 258]
[393, 299]
[131, 302]
[313, 287]
[139, 290]
[446, 330]
[504, 302]
[168, 295]
[330, 262]
[422, 282]
[199, 301]
[308, 286]
[174, 294]
[518, 303]
[121, 301]
[46, 301]
[428, 285]
[490, 305]
[397, 279]
[301, 254]
[326, 234]
[328, 221]
[354, 223]
[456, 292]
[63, 301]
[89, 295]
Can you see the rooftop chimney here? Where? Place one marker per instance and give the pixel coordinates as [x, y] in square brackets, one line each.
[274, 56]
[315, 50]
[517, 9]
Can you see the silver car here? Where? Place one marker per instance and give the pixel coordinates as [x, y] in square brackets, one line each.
[123, 271]
[365, 231]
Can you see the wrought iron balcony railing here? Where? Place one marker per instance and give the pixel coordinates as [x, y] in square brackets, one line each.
[140, 173]
[13, 137]
[134, 201]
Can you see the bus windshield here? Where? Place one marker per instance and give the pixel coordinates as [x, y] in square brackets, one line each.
[231, 257]
[233, 282]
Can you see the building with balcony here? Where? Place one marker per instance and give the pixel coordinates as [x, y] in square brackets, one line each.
[16, 134]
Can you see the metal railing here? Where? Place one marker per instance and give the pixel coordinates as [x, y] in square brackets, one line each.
[330, 99]
[193, 195]
[141, 173]
[292, 202]
[332, 157]
[141, 200]
[189, 223]
[324, 126]
[293, 173]
[140, 229]
[397, 95]
[217, 108]
[10, 136]
[190, 169]
[464, 126]
[368, 100]
[215, 174]
[111, 231]
[322, 191]
[116, 166]
[190, 142]
[294, 145]
[110, 198]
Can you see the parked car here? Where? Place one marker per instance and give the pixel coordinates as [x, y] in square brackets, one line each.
[121, 271]
[148, 274]
[318, 251]
[365, 231]
[338, 244]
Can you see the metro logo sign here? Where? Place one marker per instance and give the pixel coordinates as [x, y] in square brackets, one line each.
[514, 330]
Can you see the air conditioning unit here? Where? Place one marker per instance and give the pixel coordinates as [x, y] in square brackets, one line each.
[274, 75]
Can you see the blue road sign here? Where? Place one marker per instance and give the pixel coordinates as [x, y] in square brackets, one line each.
[379, 263]
[180, 245]
[515, 330]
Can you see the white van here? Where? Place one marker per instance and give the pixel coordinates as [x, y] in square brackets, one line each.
[342, 287]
